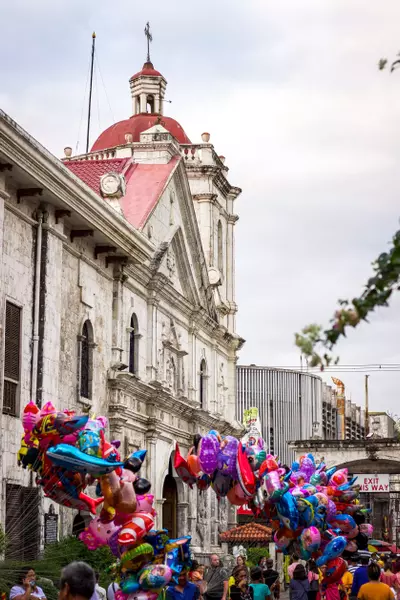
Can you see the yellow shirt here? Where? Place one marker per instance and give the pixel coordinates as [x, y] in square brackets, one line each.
[374, 590]
[347, 581]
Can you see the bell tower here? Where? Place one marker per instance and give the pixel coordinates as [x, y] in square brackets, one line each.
[148, 86]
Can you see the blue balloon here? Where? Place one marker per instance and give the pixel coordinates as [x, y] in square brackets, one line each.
[332, 550]
[140, 454]
[288, 512]
[73, 459]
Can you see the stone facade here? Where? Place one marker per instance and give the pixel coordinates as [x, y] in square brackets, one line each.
[158, 331]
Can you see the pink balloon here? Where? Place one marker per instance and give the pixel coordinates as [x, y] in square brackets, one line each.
[97, 533]
[30, 416]
[145, 503]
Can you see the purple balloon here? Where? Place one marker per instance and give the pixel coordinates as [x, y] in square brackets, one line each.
[331, 510]
[226, 458]
[308, 467]
[207, 453]
[113, 544]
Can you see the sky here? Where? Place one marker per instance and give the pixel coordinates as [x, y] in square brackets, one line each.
[292, 96]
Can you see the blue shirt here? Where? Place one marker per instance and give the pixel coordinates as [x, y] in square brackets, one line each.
[190, 592]
[260, 591]
[360, 577]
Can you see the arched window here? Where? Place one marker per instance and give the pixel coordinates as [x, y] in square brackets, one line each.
[150, 104]
[202, 383]
[86, 360]
[134, 345]
[220, 246]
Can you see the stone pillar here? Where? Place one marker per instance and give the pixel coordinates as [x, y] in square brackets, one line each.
[3, 445]
[117, 316]
[182, 518]
[156, 103]
[151, 345]
[143, 99]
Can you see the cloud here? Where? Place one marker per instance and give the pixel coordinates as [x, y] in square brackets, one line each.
[292, 97]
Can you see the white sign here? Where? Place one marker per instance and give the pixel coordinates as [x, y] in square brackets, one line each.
[373, 483]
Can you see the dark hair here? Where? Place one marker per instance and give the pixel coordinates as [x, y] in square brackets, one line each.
[195, 565]
[312, 566]
[374, 571]
[299, 573]
[354, 558]
[23, 572]
[256, 574]
[80, 578]
[295, 558]
[364, 560]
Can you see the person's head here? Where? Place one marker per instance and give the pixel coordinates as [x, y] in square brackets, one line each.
[364, 561]
[312, 566]
[256, 574]
[195, 565]
[269, 563]
[240, 561]
[182, 578]
[240, 575]
[214, 560]
[374, 556]
[77, 581]
[26, 575]
[354, 559]
[201, 569]
[299, 573]
[388, 565]
[374, 572]
[294, 558]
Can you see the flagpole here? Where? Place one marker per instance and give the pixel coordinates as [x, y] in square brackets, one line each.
[90, 92]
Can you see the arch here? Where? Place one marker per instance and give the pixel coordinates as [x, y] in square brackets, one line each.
[78, 525]
[203, 383]
[170, 504]
[220, 247]
[150, 104]
[134, 337]
[86, 345]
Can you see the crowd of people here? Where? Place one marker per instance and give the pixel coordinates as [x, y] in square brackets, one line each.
[366, 578]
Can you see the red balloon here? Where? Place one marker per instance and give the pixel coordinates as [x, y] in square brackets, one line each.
[335, 569]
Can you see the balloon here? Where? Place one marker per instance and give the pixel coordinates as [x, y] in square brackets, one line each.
[97, 534]
[339, 477]
[203, 482]
[221, 484]
[332, 550]
[135, 558]
[193, 462]
[142, 486]
[226, 457]
[246, 476]
[310, 539]
[72, 458]
[343, 522]
[236, 496]
[182, 468]
[367, 528]
[287, 511]
[335, 569]
[207, 453]
[145, 502]
[135, 529]
[154, 577]
[275, 488]
[30, 416]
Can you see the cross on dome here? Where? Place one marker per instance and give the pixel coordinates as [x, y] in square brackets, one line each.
[149, 39]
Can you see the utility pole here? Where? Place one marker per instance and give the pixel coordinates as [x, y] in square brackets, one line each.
[366, 407]
[90, 92]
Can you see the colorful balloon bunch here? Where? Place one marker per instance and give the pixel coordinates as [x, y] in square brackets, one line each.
[69, 453]
[313, 511]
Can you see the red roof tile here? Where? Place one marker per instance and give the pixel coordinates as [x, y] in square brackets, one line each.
[90, 171]
[143, 190]
[144, 183]
[250, 532]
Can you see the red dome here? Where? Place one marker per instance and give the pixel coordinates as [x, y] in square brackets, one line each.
[115, 135]
[148, 70]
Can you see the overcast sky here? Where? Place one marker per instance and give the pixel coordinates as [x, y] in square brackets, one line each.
[292, 96]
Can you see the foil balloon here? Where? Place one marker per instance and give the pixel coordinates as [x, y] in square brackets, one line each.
[332, 550]
[135, 558]
[310, 539]
[145, 502]
[74, 459]
[335, 569]
[288, 512]
[208, 454]
[30, 416]
[246, 475]
[154, 577]
[345, 523]
[140, 595]
[182, 468]
[339, 477]
[221, 484]
[367, 528]
[274, 486]
[236, 496]
[135, 529]
[226, 458]
[97, 534]
[203, 482]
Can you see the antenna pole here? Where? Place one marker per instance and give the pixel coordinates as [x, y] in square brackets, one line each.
[90, 92]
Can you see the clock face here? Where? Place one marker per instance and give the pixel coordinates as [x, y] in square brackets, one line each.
[110, 184]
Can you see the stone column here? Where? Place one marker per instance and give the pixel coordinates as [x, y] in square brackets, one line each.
[157, 103]
[143, 99]
[117, 316]
[182, 518]
[152, 366]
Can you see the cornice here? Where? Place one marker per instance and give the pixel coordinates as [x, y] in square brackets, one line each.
[32, 158]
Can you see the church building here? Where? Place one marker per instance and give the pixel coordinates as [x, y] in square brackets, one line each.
[117, 297]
